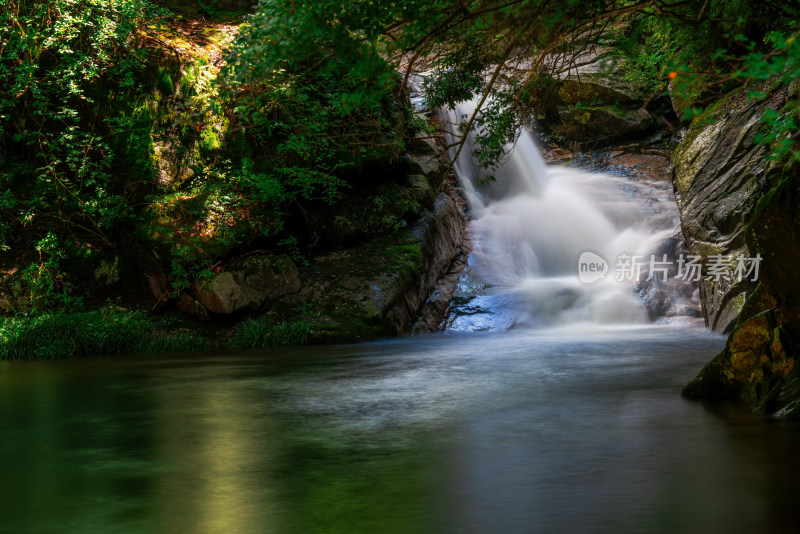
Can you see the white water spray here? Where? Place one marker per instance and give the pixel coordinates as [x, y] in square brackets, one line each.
[532, 223]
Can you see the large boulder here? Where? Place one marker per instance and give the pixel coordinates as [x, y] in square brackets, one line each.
[249, 285]
[595, 109]
[593, 123]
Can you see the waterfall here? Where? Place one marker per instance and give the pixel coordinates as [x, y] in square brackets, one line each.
[533, 222]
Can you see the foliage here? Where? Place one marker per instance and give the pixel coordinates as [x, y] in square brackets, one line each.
[65, 135]
[97, 333]
[479, 50]
[315, 115]
[54, 140]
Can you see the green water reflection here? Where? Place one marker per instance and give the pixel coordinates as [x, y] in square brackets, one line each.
[515, 434]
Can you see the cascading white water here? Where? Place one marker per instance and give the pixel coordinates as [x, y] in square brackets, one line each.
[532, 223]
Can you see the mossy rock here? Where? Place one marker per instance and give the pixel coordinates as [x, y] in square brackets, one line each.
[354, 292]
[753, 363]
[774, 234]
[594, 123]
[595, 89]
[251, 284]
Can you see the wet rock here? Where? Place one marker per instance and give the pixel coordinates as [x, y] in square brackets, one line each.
[249, 285]
[666, 295]
[647, 166]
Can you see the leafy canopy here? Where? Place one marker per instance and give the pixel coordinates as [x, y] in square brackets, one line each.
[505, 53]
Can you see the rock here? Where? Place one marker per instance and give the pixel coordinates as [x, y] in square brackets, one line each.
[668, 296]
[647, 166]
[752, 366]
[423, 152]
[379, 288]
[758, 362]
[175, 163]
[590, 108]
[595, 88]
[774, 234]
[718, 175]
[192, 308]
[249, 285]
[598, 123]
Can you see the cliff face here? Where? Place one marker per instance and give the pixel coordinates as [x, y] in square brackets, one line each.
[734, 201]
[719, 174]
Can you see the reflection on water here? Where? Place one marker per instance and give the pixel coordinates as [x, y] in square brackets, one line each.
[556, 431]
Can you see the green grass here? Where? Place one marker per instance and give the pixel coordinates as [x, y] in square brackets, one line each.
[95, 333]
[264, 332]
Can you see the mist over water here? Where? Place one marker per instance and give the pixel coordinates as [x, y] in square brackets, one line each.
[532, 222]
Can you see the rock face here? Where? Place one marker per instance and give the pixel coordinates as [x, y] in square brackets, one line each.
[718, 175]
[378, 289]
[758, 363]
[249, 285]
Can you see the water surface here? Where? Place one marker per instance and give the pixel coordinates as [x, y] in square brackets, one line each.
[523, 432]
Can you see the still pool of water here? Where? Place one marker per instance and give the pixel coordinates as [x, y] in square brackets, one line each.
[568, 431]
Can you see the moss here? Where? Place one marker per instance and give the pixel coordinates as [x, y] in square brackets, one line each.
[407, 260]
[713, 381]
[210, 141]
[345, 321]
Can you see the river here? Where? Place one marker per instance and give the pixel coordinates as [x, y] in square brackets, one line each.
[528, 431]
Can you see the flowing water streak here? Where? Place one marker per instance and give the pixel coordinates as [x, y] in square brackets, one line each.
[532, 222]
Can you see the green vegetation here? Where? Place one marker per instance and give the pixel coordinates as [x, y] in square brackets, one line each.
[145, 147]
[96, 333]
[264, 331]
